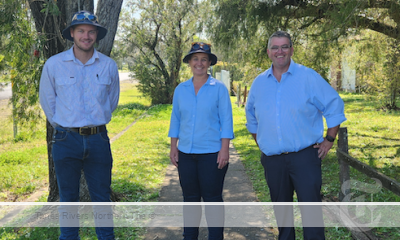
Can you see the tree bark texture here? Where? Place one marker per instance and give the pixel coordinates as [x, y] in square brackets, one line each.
[108, 14]
[50, 25]
[53, 187]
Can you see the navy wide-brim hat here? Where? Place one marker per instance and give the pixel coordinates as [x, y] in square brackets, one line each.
[200, 47]
[84, 17]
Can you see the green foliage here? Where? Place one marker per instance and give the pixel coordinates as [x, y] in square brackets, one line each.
[331, 19]
[391, 89]
[25, 68]
[156, 42]
[376, 65]
[51, 8]
[324, 33]
[2, 65]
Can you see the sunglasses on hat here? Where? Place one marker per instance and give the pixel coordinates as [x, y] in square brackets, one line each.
[200, 45]
[84, 16]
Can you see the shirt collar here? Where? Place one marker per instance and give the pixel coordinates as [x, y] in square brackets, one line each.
[69, 56]
[210, 81]
[291, 69]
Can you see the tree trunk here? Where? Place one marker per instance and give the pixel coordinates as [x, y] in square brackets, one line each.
[50, 26]
[108, 13]
[53, 187]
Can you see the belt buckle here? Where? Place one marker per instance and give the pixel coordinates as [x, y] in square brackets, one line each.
[83, 131]
[285, 153]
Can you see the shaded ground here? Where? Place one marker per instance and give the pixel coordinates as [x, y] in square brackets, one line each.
[237, 188]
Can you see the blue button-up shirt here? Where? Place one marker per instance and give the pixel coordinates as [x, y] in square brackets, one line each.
[287, 115]
[73, 94]
[199, 122]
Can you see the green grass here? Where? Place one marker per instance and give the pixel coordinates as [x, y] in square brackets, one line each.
[373, 138]
[131, 105]
[140, 160]
[53, 233]
[141, 157]
[24, 163]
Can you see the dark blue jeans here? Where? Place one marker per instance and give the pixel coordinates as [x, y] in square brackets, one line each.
[73, 153]
[300, 172]
[200, 178]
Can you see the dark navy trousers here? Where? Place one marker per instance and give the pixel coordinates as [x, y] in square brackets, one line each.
[300, 172]
[201, 179]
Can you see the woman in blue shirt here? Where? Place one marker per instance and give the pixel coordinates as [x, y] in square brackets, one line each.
[201, 121]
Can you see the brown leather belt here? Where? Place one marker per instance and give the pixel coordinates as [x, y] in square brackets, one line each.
[285, 153]
[88, 130]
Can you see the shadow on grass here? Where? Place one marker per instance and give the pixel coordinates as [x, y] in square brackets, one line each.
[377, 137]
[124, 109]
[134, 192]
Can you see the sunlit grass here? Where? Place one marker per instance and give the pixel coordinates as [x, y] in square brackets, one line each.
[24, 162]
[374, 135]
[138, 168]
[131, 105]
[141, 156]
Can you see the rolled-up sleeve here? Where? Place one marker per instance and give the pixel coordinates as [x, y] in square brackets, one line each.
[175, 117]
[225, 113]
[251, 120]
[328, 101]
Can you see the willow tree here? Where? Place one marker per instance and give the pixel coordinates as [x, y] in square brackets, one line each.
[156, 33]
[333, 18]
[316, 26]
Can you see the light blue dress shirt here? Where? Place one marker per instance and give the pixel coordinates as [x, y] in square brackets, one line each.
[287, 116]
[73, 94]
[200, 122]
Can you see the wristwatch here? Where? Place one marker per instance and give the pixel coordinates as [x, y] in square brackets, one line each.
[330, 138]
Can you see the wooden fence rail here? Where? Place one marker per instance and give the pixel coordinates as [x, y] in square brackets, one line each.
[345, 160]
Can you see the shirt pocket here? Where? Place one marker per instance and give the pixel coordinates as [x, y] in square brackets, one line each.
[101, 88]
[65, 81]
[103, 80]
[66, 90]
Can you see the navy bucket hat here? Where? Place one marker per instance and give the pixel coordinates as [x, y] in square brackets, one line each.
[200, 47]
[84, 17]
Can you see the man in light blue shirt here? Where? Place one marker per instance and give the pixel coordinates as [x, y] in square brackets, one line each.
[284, 112]
[79, 89]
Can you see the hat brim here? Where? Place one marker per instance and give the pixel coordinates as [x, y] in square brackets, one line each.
[213, 58]
[101, 34]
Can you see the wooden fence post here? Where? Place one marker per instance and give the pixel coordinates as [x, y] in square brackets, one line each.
[238, 95]
[344, 174]
[244, 95]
